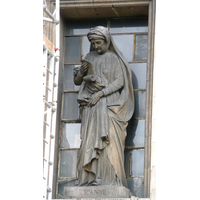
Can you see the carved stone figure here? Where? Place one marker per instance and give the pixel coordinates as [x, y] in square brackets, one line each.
[106, 104]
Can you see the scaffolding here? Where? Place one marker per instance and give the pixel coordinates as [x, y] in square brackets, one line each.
[50, 91]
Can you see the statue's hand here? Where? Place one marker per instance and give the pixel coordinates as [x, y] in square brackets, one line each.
[83, 68]
[95, 98]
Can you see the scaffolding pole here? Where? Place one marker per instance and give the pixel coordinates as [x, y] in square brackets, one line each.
[53, 19]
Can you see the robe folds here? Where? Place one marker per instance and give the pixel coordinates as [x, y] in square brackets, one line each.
[103, 126]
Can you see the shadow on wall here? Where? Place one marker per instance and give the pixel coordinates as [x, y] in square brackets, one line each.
[132, 125]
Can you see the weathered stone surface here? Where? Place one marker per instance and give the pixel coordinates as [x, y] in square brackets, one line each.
[97, 192]
[105, 84]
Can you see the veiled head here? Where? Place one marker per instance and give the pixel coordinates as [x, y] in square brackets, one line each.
[99, 37]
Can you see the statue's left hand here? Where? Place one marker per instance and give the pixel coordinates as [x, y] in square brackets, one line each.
[95, 98]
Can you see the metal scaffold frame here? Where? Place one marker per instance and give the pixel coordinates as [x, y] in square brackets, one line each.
[50, 91]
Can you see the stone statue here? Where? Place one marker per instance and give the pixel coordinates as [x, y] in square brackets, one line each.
[106, 104]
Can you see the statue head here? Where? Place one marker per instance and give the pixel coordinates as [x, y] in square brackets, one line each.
[99, 37]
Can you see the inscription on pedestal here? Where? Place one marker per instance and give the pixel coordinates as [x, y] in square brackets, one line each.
[96, 192]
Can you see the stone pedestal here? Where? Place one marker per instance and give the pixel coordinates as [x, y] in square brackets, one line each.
[96, 192]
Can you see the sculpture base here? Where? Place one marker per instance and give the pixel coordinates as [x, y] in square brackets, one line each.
[105, 191]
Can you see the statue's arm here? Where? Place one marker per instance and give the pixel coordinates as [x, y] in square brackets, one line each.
[79, 73]
[118, 82]
[78, 78]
